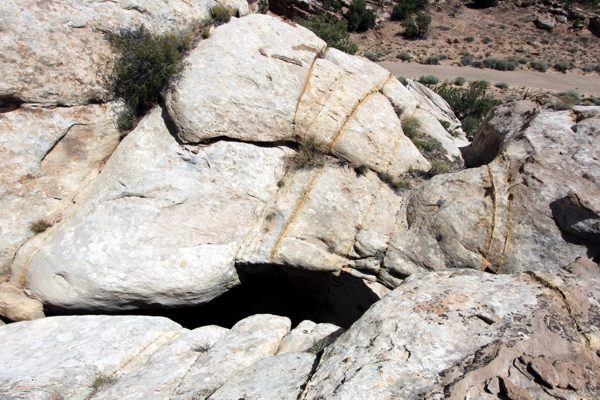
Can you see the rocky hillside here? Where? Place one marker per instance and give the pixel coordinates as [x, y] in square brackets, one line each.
[419, 264]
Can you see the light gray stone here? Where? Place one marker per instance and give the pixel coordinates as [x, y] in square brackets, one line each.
[280, 377]
[306, 335]
[61, 356]
[17, 306]
[48, 156]
[161, 225]
[159, 377]
[54, 52]
[249, 341]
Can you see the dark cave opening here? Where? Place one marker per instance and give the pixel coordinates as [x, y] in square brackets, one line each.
[338, 300]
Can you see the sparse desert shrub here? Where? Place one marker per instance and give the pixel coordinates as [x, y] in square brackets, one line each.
[486, 40]
[404, 56]
[206, 32]
[428, 80]
[500, 65]
[467, 60]
[562, 66]
[469, 105]
[539, 65]
[425, 145]
[145, 63]
[311, 154]
[423, 21]
[402, 80]
[522, 60]
[445, 124]
[101, 381]
[438, 167]
[477, 64]
[443, 28]
[406, 8]
[470, 125]
[588, 68]
[39, 225]
[220, 14]
[432, 60]
[469, 39]
[459, 81]
[371, 56]
[571, 94]
[125, 120]
[333, 31]
[361, 170]
[359, 17]
[501, 85]
[332, 5]
[410, 127]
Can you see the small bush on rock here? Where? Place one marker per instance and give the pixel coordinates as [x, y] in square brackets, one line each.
[145, 63]
[39, 225]
[311, 154]
[220, 14]
[333, 31]
[371, 56]
[410, 127]
[438, 167]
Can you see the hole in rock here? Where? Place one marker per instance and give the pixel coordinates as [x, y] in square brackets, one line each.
[337, 300]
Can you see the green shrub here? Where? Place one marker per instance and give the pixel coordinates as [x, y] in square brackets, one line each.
[571, 94]
[459, 81]
[470, 125]
[562, 66]
[406, 8]
[145, 63]
[477, 64]
[501, 85]
[428, 80]
[206, 32]
[467, 60]
[359, 17]
[473, 102]
[101, 381]
[404, 56]
[402, 80]
[410, 127]
[469, 39]
[487, 40]
[445, 124]
[220, 14]
[423, 21]
[311, 154]
[432, 60]
[438, 167]
[425, 145]
[485, 3]
[410, 29]
[522, 61]
[332, 5]
[333, 31]
[39, 225]
[500, 65]
[125, 120]
[371, 56]
[539, 65]
[588, 68]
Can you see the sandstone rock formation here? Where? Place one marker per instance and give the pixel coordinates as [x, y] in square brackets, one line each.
[528, 203]
[450, 334]
[54, 52]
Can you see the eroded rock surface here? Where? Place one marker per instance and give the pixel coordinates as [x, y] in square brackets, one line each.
[53, 52]
[473, 328]
[530, 206]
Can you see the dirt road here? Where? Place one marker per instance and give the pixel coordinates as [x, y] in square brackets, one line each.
[584, 84]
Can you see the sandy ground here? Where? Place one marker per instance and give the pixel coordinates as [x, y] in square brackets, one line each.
[587, 85]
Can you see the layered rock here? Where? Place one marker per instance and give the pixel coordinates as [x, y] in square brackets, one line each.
[449, 334]
[530, 206]
[54, 52]
[479, 336]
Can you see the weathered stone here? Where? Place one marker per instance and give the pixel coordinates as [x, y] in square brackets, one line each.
[459, 346]
[508, 214]
[571, 375]
[585, 112]
[48, 156]
[62, 356]
[17, 306]
[306, 335]
[278, 377]
[159, 377]
[544, 370]
[161, 225]
[249, 341]
[514, 392]
[54, 52]
[545, 21]
[493, 385]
